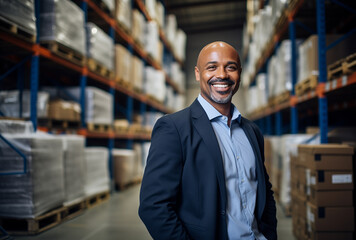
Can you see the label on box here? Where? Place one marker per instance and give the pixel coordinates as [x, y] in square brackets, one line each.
[341, 178]
[312, 180]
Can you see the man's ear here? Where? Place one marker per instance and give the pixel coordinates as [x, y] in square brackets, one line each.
[197, 74]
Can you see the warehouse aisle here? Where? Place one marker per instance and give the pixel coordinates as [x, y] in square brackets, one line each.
[117, 219]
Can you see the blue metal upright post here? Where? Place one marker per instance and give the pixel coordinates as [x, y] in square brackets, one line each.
[323, 105]
[293, 111]
[83, 84]
[269, 125]
[20, 86]
[34, 89]
[278, 123]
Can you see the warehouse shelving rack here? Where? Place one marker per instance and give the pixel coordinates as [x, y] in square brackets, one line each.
[32, 52]
[264, 117]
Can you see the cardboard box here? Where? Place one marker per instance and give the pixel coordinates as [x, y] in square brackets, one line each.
[122, 63]
[325, 156]
[331, 180]
[331, 198]
[331, 236]
[330, 218]
[64, 110]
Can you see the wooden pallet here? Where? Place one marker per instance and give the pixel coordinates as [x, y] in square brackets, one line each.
[307, 85]
[59, 124]
[94, 127]
[19, 31]
[34, 225]
[96, 199]
[99, 69]
[43, 222]
[65, 52]
[284, 97]
[341, 67]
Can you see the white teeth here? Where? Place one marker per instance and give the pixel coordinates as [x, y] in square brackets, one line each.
[220, 86]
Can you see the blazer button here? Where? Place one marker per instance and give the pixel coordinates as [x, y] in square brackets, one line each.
[222, 212]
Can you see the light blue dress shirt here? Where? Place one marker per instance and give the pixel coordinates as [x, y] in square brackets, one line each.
[240, 173]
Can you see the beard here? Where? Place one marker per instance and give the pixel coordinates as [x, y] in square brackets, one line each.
[217, 99]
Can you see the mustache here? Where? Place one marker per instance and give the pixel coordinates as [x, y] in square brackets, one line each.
[221, 80]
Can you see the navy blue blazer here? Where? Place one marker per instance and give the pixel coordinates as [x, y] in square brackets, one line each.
[183, 193]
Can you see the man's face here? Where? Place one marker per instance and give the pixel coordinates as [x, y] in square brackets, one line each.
[218, 73]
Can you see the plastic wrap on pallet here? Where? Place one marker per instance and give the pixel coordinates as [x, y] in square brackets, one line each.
[96, 176]
[74, 155]
[262, 97]
[277, 9]
[252, 99]
[171, 28]
[98, 105]
[145, 149]
[10, 103]
[123, 59]
[124, 161]
[100, 46]
[63, 22]
[152, 42]
[21, 12]
[123, 13]
[180, 44]
[272, 71]
[151, 8]
[155, 84]
[150, 118]
[289, 146]
[41, 188]
[284, 73]
[178, 75]
[138, 169]
[138, 27]
[16, 126]
[136, 75]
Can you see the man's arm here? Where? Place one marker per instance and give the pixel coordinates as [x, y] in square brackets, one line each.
[161, 183]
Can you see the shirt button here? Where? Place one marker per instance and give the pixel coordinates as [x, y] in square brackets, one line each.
[237, 158]
[243, 180]
[244, 206]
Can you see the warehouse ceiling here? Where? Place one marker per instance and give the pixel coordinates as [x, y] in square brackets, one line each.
[196, 16]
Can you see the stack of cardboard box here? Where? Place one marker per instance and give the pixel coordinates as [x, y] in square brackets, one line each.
[325, 174]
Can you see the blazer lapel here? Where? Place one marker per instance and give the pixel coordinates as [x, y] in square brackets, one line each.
[261, 189]
[206, 131]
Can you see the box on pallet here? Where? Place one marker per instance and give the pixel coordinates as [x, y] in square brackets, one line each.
[331, 180]
[325, 156]
[123, 59]
[330, 198]
[330, 218]
[123, 13]
[64, 110]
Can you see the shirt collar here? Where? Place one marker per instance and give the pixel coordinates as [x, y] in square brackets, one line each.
[213, 113]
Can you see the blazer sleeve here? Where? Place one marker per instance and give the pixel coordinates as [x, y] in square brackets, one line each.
[161, 183]
[268, 225]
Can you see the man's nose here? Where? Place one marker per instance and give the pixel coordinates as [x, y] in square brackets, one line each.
[221, 73]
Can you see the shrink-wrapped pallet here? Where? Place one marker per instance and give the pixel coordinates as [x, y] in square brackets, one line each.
[15, 126]
[110, 4]
[20, 12]
[151, 8]
[41, 188]
[138, 168]
[96, 175]
[177, 75]
[171, 28]
[145, 149]
[262, 97]
[100, 46]
[154, 84]
[10, 103]
[63, 22]
[137, 73]
[138, 27]
[73, 159]
[123, 13]
[98, 104]
[180, 44]
[123, 64]
[272, 71]
[153, 46]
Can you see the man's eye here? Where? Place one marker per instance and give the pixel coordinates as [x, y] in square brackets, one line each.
[211, 67]
[232, 68]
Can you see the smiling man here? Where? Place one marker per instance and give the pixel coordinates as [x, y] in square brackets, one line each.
[205, 176]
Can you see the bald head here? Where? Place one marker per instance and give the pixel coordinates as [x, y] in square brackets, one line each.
[216, 47]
